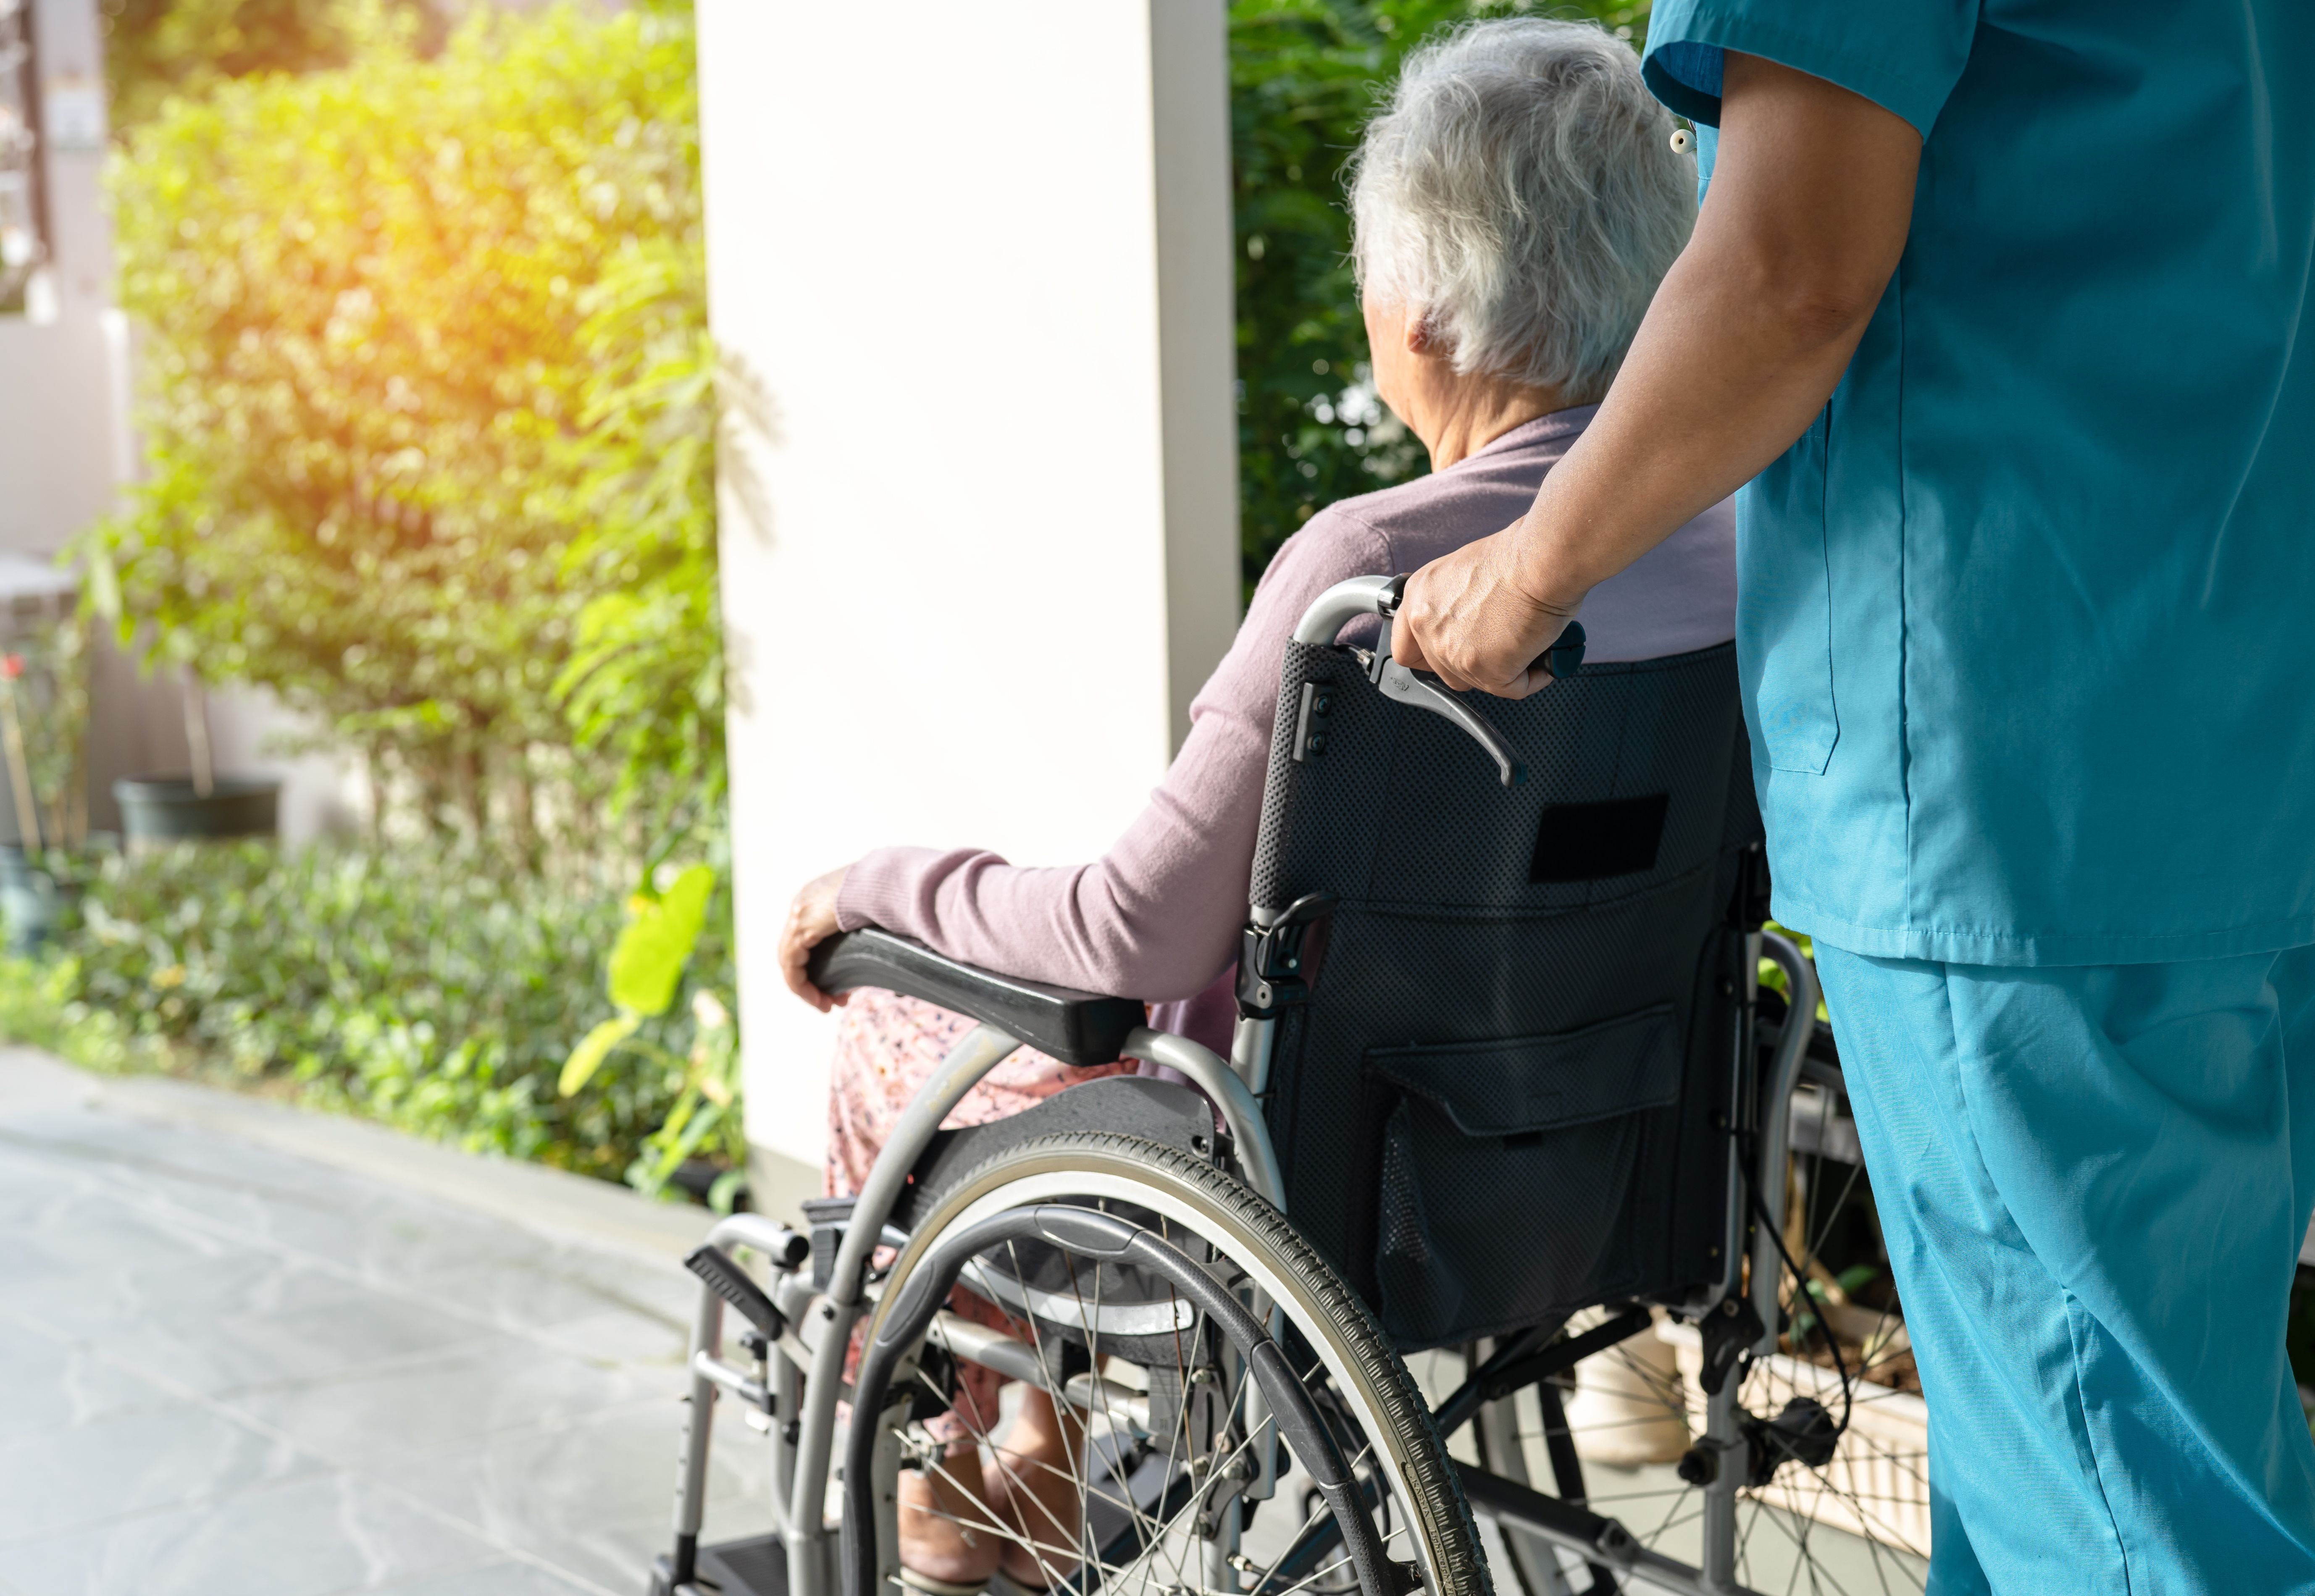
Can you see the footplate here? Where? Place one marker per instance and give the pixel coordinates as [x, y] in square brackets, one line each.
[758, 1567]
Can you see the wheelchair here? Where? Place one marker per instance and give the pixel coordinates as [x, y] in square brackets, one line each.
[1498, 1181]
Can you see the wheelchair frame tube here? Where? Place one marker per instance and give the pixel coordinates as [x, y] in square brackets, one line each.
[1251, 1044]
[1230, 1095]
[810, 1571]
[1340, 604]
[1773, 1108]
[1777, 1125]
[698, 1430]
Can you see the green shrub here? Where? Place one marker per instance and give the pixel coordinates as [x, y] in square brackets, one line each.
[438, 992]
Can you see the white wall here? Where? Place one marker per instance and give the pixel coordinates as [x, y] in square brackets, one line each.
[981, 545]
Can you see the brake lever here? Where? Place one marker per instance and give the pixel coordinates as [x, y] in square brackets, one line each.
[1420, 689]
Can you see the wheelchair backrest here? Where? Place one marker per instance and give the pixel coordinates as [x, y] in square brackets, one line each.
[1506, 1096]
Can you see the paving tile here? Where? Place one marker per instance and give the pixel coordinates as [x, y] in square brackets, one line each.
[27, 1185]
[138, 1158]
[309, 1538]
[170, 1456]
[509, 1577]
[260, 1197]
[223, 1353]
[88, 1291]
[624, 1338]
[438, 1402]
[49, 1383]
[558, 1285]
[593, 1497]
[226, 1371]
[79, 1233]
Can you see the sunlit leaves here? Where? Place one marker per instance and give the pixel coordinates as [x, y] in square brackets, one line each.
[648, 959]
[376, 405]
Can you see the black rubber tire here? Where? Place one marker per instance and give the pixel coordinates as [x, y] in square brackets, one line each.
[1320, 1306]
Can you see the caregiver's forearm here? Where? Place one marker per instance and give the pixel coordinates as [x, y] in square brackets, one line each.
[1804, 223]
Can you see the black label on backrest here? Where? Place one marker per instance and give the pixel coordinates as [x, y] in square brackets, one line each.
[1581, 842]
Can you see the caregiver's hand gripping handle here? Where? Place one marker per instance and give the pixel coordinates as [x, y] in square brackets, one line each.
[1423, 690]
[1419, 690]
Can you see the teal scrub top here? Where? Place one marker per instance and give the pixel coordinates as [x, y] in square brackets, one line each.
[2026, 618]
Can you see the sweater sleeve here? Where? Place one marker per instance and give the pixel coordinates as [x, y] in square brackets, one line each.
[1157, 916]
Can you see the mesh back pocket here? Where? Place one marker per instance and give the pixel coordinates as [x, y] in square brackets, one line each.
[1506, 1169]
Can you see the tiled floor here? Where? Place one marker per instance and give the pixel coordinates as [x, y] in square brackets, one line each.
[228, 1370]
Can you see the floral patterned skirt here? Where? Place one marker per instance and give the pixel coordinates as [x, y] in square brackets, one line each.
[886, 1046]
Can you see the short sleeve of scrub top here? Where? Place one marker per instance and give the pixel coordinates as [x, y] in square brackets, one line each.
[2021, 621]
[1902, 55]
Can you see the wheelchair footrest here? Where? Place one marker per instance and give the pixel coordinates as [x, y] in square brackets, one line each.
[757, 1567]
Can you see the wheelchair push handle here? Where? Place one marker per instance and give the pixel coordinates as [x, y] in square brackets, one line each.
[1346, 601]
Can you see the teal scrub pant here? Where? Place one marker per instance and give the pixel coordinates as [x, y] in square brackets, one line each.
[2093, 1183]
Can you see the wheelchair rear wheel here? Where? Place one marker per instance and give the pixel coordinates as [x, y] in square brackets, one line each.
[1235, 1422]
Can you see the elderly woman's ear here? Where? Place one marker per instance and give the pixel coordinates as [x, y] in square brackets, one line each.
[1454, 412]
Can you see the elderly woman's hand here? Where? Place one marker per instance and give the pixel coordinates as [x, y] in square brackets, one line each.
[811, 920]
[1466, 618]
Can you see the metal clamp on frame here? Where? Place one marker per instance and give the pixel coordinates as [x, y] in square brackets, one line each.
[1278, 962]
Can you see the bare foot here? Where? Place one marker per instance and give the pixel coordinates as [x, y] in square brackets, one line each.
[1033, 1482]
[939, 1511]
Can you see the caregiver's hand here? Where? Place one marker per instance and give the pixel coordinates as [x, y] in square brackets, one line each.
[1468, 619]
[811, 920]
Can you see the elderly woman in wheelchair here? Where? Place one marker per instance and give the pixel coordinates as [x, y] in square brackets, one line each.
[1452, 1037]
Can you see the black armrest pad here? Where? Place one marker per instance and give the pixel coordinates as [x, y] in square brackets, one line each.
[1075, 1027]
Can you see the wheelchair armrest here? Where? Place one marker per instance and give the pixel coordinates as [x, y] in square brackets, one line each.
[1075, 1027]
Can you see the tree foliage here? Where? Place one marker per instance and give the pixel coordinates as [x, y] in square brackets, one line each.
[157, 49]
[1304, 74]
[425, 378]
[644, 683]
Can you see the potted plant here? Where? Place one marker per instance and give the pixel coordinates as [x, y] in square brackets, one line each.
[202, 805]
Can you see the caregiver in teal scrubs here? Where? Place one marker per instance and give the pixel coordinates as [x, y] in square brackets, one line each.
[2001, 309]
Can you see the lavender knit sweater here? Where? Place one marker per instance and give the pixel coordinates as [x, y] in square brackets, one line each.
[1158, 918]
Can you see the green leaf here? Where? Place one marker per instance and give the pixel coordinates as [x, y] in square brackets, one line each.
[588, 1056]
[726, 1190]
[649, 959]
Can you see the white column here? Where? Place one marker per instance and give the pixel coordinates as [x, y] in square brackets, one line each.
[980, 535]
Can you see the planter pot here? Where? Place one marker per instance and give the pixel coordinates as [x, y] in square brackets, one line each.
[159, 810]
[28, 901]
[34, 897]
[696, 1177]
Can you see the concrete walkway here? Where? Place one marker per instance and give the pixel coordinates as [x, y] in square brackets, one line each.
[250, 1352]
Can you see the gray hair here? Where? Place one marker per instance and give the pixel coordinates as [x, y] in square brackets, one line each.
[1519, 194]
